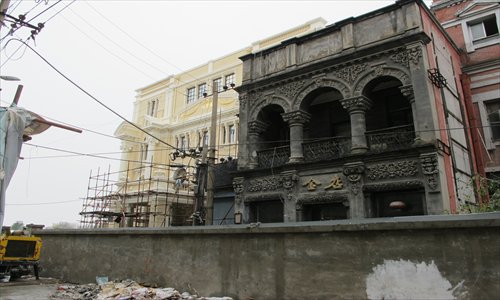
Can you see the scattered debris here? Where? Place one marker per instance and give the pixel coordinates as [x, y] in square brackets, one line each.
[123, 290]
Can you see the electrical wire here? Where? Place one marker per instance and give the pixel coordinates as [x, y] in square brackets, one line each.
[41, 203]
[92, 97]
[118, 45]
[109, 51]
[139, 43]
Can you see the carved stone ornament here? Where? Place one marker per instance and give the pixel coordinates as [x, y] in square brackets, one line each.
[290, 89]
[257, 126]
[406, 168]
[311, 184]
[323, 197]
[265, 184]
[357, 103]
[298, 116]
[350, 73]
[393, 186]
[335, 184]
[353, 173]
[429, 165]
[238, 188]
[404, 57]
[289, 180]
[408, 92]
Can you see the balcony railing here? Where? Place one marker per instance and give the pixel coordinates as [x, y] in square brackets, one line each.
[388, 139]
[326, 149]
[273, 157]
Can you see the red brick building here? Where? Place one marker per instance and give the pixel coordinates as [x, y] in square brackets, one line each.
[474, 27]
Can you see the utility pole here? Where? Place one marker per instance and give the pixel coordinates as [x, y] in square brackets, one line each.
[211, 157]
[4, 5]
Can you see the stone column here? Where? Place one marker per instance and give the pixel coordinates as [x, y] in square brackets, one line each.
[239, 205]
[354, 174]
[255, 128]
[289, 180]
[408, 92]
[296, 121]
[357, 107]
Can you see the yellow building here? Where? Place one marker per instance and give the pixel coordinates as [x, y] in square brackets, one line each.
[154, 184]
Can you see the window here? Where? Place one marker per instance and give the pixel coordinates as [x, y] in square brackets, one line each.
[224, 135]
[144, 152]
[232, 134]
[152, 108]
[205, 138]
[218, 84]
[493, 110]
[229, 79]
[183, 145]
[484, 28]
[202, 89]
[190, 95]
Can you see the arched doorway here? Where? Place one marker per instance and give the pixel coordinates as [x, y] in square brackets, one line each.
[327, 135]
[274, 141]
[389, 123]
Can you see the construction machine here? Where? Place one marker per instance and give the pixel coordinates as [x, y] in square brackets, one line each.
[19, 253]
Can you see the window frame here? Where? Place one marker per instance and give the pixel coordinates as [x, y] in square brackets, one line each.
[190, 95]
[232, 79]
[202, 88]
[472, 44]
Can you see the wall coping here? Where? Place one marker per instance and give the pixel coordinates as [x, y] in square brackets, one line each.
[350, 225]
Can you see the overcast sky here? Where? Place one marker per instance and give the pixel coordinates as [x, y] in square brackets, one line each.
[111, 48]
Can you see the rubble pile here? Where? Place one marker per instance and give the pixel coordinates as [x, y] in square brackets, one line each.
[123, 290]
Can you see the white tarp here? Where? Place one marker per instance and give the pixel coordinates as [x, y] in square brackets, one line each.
[13, 122]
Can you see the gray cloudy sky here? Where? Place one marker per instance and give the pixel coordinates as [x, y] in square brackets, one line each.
[111, 48]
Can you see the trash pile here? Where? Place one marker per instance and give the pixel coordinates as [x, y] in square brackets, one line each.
[124, 290]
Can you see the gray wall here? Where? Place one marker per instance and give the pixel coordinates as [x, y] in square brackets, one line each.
[346, 259]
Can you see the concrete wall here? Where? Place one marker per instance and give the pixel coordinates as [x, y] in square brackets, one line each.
[443, 257]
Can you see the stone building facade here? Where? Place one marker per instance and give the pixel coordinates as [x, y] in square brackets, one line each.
[363, 118]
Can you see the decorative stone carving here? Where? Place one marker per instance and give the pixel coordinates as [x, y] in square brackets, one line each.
[408, 92]
[356, 103]
[238, 189]
[289, 90]
[353, 173]
[406, 168]
[404, 57]
[429, 165]
[289, 179]
[311, 185]
[335, 184]
[298, 116]
[378, 70]
[393, 186]
[323, 197]
[257, 126]
[350, 73]
[265, 184]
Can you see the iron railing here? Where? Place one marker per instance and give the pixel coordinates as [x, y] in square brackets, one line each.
[388, 139]
[326, 149]
[273, 157]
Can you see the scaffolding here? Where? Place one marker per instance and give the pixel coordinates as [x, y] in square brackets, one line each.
[145, 196]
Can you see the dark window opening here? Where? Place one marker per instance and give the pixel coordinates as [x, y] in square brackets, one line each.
[328, 117]
[277, 133]
[398, 204]
[323, 212]
[493, 110]
[266, 212]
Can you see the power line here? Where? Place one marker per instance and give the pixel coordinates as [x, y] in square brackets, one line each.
[118, 45]
[94, 98]
[41, 203]
[136, 41]
[109, 51]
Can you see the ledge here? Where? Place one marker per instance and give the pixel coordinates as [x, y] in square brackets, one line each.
[350, 225]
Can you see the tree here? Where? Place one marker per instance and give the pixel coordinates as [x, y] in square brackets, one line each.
[18, 225]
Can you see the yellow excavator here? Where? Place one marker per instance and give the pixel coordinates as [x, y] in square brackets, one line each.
[19, 253]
